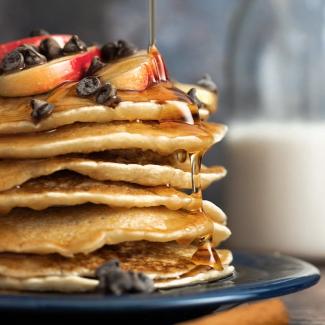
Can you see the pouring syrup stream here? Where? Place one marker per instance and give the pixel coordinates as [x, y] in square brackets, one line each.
[152, 25]
[205, 254]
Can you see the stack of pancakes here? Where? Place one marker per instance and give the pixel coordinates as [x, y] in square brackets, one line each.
[93, 183]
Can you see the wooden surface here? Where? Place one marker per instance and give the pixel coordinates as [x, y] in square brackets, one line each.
[308, 307]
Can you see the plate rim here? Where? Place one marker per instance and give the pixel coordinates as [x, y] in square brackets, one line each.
[308, 276]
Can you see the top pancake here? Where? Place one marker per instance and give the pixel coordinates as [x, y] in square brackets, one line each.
[157, 103]
[164, 138]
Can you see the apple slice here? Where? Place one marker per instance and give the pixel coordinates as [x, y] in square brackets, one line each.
[136, 72]
[43, 78]
[10, 46]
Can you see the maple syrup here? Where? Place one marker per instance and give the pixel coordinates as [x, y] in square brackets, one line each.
[206, 254]
[152, 24]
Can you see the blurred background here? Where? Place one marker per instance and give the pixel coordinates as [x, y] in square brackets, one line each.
[268, 59]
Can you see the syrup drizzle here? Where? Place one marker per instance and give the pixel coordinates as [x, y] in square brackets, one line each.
[205, 254]
[152, 25]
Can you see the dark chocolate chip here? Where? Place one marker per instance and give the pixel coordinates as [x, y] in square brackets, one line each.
[192, 94]
[107, 95]
[109, 266]
[113, 101]
[207, 82]
[50, 48]
[116, 50]
[74, 45]
[114, 280]
[125, 48]
[38, 32]
[109, 51]
[88, 86]
[40, 109]
[31, 55]
[96, 64]
[12, 61]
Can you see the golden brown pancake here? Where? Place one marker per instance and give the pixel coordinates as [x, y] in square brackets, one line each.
[15, 113]
[164, 138]
[165, 263]
[16, 172]
[69, 189]
[83, 229]
[159, 260]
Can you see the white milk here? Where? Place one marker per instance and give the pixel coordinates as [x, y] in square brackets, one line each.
[275, 188]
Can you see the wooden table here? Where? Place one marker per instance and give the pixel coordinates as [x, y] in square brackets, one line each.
[308, 307]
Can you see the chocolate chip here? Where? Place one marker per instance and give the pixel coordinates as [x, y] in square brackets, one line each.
[207, 82]
[112, 279]
[116, 50]
[40, 109]
[31, 55]
[88, 86]
[96, 64]
[50, 48]
[125, 48]
[109, 51]
[192, 94]
[12, 61]
[75, 44]
[107, 95]
[38, 32]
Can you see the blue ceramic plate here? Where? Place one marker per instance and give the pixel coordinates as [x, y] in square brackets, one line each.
[257, 277]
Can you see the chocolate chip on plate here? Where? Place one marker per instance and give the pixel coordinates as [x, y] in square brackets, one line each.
[192, 94]
[112, 279]
[50, 48]
[88, 86]
[207, 82]
[107, 95]
[31, 55]
[12, 61]
[116, 50]
[38, 32]
[96, 64]
[40, 109]
[74, 45]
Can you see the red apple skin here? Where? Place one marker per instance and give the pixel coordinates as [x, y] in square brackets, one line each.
[43, 78]
[10, 46]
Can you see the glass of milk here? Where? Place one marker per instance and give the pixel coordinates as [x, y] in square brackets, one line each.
[274, 193]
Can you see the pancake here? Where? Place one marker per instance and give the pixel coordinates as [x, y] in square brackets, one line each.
[70, 189]
[164, 138]
[83, 229]
[13, 173]
[15, 114]
[155, 104]
[165, 263]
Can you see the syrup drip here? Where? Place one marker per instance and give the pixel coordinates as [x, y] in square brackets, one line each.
[196, 159]
[181, 156]
[207, 255]
[152, 24]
